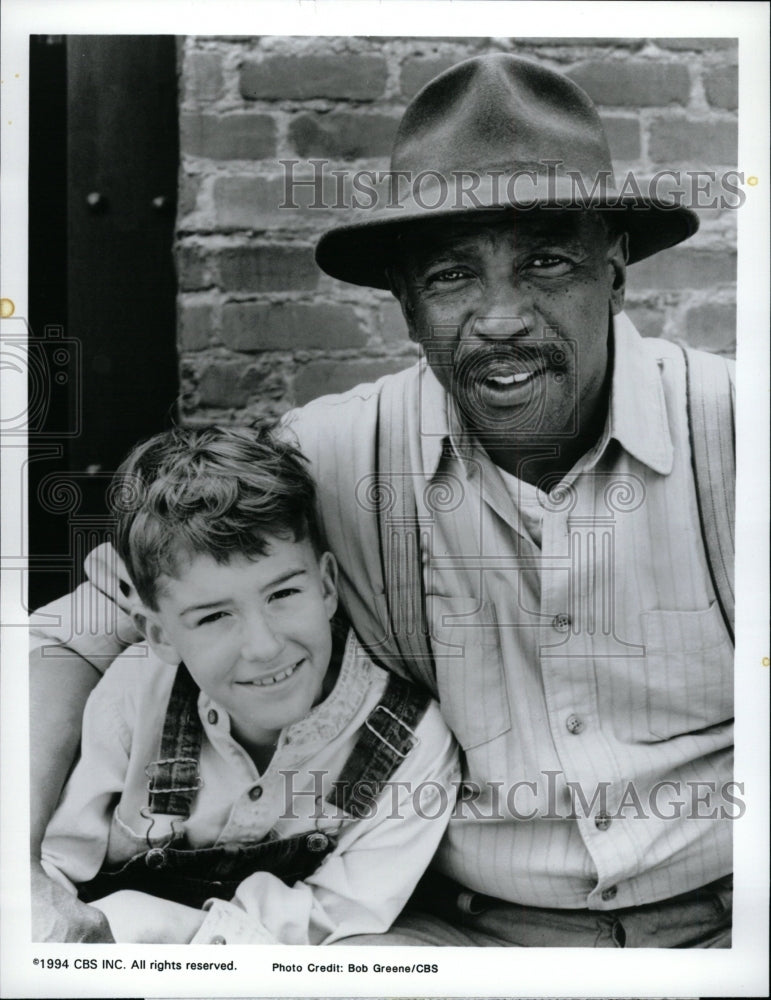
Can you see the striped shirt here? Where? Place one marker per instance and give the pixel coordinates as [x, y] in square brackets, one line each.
[581, 658]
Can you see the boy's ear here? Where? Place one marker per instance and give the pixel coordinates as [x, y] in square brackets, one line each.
[328, 570]
[153, 631]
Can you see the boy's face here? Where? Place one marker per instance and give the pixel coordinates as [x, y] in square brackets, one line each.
[253, 632]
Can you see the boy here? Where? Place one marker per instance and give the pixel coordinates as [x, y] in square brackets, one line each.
[248, 778]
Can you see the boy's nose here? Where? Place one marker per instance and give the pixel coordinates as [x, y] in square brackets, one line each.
[260, 639]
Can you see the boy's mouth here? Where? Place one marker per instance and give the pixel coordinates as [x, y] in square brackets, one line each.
[275, 678]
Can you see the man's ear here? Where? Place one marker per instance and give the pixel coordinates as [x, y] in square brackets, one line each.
[152, 629]
[618, 255]
[328, 571]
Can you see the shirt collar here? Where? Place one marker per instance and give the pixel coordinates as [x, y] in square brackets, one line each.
[638, 413]
[434, 409]
[637, 417]
[325, 721]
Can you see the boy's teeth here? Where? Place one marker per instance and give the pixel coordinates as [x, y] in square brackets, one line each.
[277, 677]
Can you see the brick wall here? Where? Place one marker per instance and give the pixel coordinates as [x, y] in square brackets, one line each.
[261, 328]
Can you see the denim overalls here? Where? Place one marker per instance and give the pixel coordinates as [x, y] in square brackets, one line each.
[191, 876]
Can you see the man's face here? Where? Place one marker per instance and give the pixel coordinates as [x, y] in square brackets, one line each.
[513, 314]
[253, 632]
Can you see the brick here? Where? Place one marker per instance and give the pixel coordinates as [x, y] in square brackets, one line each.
[247, 202]
[417, 71]
[623, 136]
[267, 269]
[722, 87]
[202, 73]
[682, 268]
[221, 384]
[633, 83]
[698, 143]
[712, 326]
[319, 378]
[558, 42]
[343, 136]
[278, 77]
[195, 326]
[391, 324]
[256, 202]
[228, 137]
[695, 44]
[232, 384]
[291, 326]
[189, 186]
[193, 271]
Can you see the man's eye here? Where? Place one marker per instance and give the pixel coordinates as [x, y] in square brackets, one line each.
[448, 275]
[549, 262]
[215, 616]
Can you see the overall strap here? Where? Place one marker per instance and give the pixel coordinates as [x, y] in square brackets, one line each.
[174, 779]
[383, 742]
[399, 536]
[710, 397]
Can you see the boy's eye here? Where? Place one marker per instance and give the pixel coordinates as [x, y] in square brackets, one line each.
[280, 595]
[213, 617]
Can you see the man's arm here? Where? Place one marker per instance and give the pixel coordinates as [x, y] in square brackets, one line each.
[63, 672]
[59, 687]
[65, 667]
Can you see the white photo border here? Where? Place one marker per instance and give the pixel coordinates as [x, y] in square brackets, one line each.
[740, 971]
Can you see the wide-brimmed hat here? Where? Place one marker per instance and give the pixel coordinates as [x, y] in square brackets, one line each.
[493, 133]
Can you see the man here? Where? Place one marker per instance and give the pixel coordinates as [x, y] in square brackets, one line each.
[517, 524]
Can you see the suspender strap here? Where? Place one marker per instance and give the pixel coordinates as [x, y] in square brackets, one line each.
[173, 778]
[399, 536]
[385, 739]
[713, 456]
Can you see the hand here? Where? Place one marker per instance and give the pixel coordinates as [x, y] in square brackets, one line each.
[57, 915]
[139, 918]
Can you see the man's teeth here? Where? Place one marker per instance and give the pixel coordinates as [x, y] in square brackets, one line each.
[275, 678]
[513, 379]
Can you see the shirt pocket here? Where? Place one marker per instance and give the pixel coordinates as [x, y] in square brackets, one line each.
[469, 668]
[688, 671]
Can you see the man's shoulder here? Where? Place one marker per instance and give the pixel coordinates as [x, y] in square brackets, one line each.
[349, 411]
[136, 677]
[707, 372]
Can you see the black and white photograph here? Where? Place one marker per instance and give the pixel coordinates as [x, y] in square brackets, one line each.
[377, 383]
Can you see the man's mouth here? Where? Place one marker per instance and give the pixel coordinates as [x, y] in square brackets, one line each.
[515, 378]
[275, 678]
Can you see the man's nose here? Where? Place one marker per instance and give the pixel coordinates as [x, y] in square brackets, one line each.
[260, 638]
[505, 312]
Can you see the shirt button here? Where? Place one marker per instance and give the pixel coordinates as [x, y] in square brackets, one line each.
[574, 724]
[602, 821]
[316, 842]
[218, 939]
[212, 717]
[609, 893]
[255, 793]
[561, 623]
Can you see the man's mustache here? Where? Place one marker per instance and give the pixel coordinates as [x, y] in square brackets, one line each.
[479, 360]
